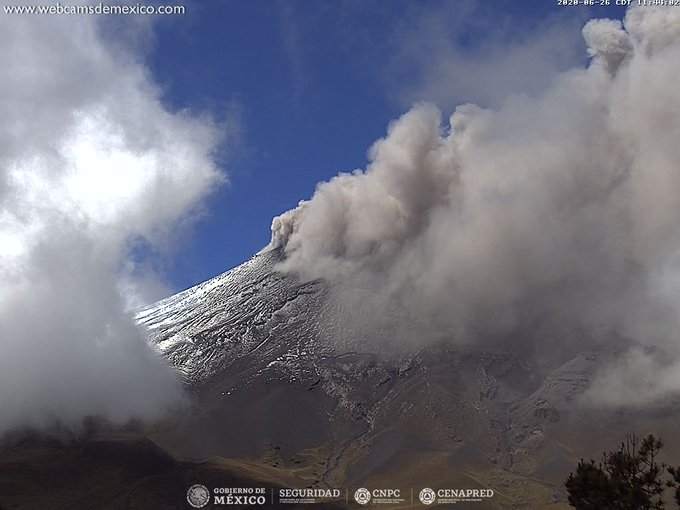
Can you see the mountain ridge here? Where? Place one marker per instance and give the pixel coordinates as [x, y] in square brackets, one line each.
[252, 343]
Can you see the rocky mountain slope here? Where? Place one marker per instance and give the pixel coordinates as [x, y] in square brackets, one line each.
[253, 346]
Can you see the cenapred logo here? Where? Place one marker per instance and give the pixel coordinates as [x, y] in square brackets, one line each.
[427, 496]
[198, 495]
[362, 496]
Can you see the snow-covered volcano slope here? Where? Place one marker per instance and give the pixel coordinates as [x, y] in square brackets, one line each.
[251, 314]
[252, 345]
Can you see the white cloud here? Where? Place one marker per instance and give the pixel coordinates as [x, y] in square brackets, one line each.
[453, 55]
[91, 163]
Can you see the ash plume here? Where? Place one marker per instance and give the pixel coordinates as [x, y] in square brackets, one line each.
[553, 217]
[92, 165]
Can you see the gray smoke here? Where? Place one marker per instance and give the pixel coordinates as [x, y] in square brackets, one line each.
[556, 216]
[91, 166]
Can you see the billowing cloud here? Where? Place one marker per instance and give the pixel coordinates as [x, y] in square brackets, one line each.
[92, 166]
[554, 218]
[440, 54]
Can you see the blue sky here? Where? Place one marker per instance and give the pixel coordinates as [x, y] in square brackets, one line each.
[305, 88]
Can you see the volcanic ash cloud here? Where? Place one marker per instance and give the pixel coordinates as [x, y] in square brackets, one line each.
[555, 214]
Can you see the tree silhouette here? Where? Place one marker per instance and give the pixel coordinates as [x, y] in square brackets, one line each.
[675, 482]
[629, 478]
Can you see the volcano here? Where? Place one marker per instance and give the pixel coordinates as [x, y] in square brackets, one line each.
[253, 347]
[286, 393]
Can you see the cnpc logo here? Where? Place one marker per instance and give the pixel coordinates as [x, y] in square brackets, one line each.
[363, 496]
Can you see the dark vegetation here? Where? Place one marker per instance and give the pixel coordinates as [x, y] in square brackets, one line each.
[629, 478]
